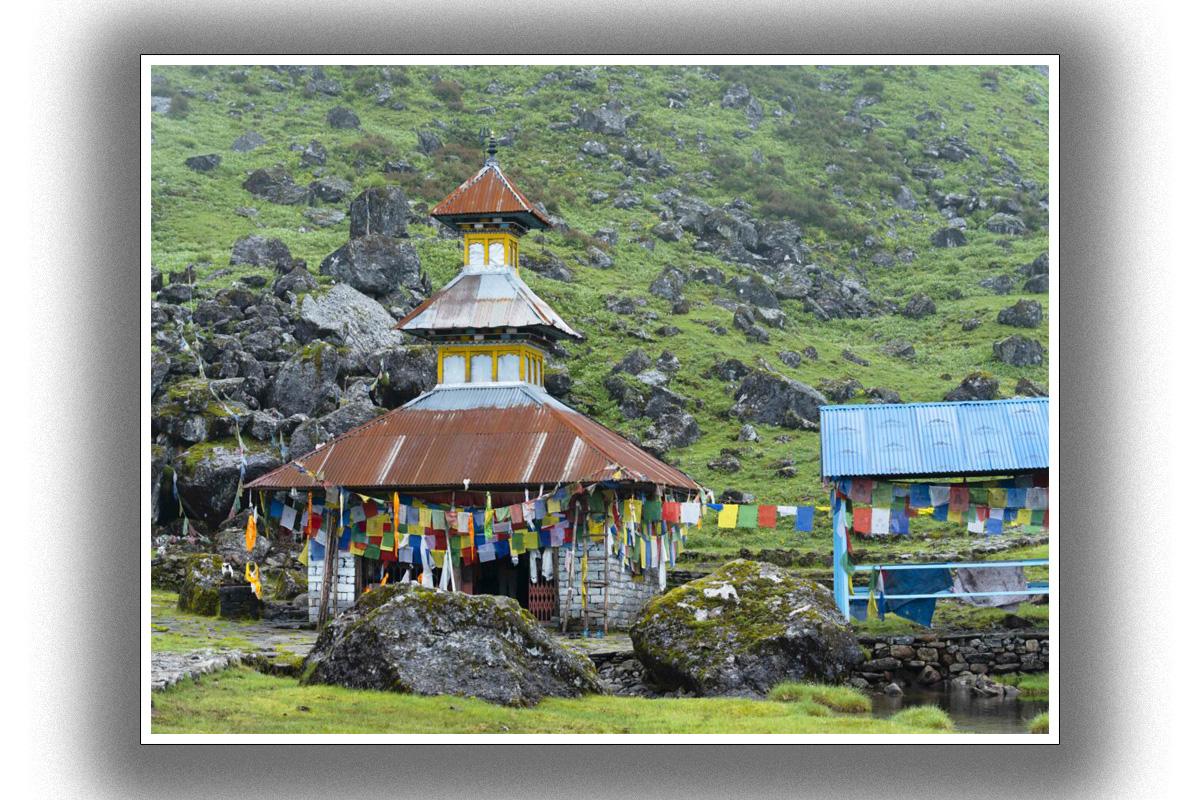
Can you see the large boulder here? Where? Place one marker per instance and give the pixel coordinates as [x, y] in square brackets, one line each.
[775, 399]
[313, 432]
[405, 373]
[918, 306]
[669, 284]
[347, 316]
[824, 294]
[606, 119]
[742, 630]
[975, 386]
[276, 185]
[1019, 351]
[376, 264]
[1022, 314]
[307, 382]
[379, 210]
[261, 251]
[208, 476]
[948, 237]
[413, 640]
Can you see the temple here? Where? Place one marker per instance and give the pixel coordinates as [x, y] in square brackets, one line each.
[486, 483]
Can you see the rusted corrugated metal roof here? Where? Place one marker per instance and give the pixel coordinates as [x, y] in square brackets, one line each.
[489, 192]
[516, 437]
[485, 298]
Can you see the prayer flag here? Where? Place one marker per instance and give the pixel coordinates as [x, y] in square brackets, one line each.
[997, 498]
[747, 516]
[979, 496]
[671, 511]
[881, 496]
[898, 523]
[1015, 498]
[1024, 516]
[862, 519]
[785, 511]
[804, 518]
[941, 512]
[939, 496]
[918, 495]
[288, 518]
[860, 490]
[766, 516]
[727, 516]
[880, 519]
[960, 496]
[652, 511]
[437, 519]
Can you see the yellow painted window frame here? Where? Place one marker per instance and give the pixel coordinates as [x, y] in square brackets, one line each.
[531, 364]
[487, 238]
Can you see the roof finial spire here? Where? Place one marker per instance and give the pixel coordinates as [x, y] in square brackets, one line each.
[491, 148]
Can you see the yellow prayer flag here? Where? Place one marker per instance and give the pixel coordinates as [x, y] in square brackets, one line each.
[1024, 516]
[727, 516]
[997, 498]
[425, 519]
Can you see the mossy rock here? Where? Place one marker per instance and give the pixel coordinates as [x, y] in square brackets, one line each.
[409, 639]
[286, 584]
[743, 629]
[200, 588]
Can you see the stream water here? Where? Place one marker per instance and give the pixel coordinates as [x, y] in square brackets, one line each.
[970, 712]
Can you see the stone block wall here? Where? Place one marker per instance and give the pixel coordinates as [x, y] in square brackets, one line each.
[342, 595]
[627, 594]
[931, 658]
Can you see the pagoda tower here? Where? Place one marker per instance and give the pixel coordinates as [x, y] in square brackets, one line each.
[488, 325]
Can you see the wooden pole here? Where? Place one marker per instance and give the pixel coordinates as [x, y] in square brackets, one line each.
[331, 550]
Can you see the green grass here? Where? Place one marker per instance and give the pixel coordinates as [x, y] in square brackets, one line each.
[1033, 686]
[193, 219]
[842, 699]
[1040, 723]
[241, 700]
[953, 615]
[930, 717]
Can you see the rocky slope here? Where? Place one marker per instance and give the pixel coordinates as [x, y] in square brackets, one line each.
[741, 243]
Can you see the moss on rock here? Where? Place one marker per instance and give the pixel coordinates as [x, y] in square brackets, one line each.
[743, 629]
[200, 588]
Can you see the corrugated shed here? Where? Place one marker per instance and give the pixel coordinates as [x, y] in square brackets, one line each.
[489, 192]
[985, 437]
[498, 435]
[481, 299]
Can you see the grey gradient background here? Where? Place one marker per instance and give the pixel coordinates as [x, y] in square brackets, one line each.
[83, 663]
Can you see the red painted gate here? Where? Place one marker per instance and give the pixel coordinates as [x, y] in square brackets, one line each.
[543, 600]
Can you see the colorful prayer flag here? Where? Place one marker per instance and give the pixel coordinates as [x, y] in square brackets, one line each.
[727, 516]
[804, 518]
[767, 516]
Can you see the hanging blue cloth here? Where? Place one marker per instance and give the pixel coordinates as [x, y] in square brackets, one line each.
[916, 581]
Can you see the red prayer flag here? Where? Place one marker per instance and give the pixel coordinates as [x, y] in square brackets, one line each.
[670, 511]
[862, 519]
[960, 497]
[766, 516]
[516, 514]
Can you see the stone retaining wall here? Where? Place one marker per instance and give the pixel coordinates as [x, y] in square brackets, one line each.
[627, 593]
[928, 659]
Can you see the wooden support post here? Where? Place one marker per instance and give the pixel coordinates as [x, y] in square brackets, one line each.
[331, 563]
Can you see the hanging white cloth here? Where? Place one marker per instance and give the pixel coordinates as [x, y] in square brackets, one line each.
[662, 567]
[407, 576]
[533, 566]
[426, 565]
[447, 570]
[548, 564]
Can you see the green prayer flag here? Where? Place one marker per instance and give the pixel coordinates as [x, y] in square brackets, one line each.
[881, 495]
[747, 516]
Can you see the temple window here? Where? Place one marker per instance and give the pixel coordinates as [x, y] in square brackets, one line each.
[454, 369]
[481, 368]
[509, 367]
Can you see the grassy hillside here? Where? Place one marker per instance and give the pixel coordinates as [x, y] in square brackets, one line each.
[813, 159]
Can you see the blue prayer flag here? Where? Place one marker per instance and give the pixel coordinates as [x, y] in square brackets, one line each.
[1015, 498]
[276, 509]
[804, 518]
[992, 527]
[941, 513]
[918, 496]
[502, 550]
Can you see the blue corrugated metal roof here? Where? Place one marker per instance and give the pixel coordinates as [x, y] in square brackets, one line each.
[989, 436]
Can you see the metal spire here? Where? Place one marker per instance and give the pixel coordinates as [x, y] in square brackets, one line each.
[491, 149]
